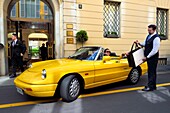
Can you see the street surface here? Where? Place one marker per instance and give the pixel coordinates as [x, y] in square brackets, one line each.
[114, 98]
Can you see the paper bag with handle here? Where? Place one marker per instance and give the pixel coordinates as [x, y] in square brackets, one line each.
[135, 56]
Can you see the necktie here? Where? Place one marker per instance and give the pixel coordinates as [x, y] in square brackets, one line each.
[148, 37]
[13, 44]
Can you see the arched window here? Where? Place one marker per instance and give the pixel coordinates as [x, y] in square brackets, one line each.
[31, 9]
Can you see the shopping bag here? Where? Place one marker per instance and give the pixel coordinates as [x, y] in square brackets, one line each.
[135, 56]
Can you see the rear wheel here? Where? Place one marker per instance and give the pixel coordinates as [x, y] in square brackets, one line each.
[70, 88]
[134, 76]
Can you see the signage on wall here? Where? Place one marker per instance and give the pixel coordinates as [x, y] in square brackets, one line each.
[69, 26]
[69, 33]
[70, 40]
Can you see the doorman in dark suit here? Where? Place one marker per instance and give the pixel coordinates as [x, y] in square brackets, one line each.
[43, 51]
[151, 44]
[17, 52]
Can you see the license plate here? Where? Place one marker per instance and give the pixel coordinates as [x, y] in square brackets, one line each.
[20, 91]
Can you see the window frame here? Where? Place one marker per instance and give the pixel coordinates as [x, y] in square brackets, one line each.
[166, 27]
[116, 33]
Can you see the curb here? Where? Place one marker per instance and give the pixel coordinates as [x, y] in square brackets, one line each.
[163, 72]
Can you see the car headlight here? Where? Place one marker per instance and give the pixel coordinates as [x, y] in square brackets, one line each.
[43, 76]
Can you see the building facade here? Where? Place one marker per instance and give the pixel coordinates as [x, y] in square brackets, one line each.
[113, 24]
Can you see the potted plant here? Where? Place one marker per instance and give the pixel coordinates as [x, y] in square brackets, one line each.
[112, 35]
[81, 36]
[162, 36]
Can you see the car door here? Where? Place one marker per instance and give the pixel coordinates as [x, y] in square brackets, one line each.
[113, 69]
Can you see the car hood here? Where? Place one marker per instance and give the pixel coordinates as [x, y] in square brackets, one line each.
[51, 64]
[33, 74]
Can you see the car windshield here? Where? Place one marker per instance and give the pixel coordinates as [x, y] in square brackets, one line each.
[86, 53]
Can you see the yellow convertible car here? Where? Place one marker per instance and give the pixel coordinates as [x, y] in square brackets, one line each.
[86, 68]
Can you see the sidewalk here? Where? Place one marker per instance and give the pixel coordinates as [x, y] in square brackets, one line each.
[6, 81]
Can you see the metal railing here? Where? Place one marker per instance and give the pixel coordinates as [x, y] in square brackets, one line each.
[162, 61]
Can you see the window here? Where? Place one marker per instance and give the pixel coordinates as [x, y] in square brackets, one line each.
[22, 8]
[47, 12]
[13, 11]
[31, 9]
[162, 23]
[27, 8]
[111, 19]
[37, 8]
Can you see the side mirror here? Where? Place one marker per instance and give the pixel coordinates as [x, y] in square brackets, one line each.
[106, 58]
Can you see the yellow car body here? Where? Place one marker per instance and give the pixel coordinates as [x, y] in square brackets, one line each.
[92, 73]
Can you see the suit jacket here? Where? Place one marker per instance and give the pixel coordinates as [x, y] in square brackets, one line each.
[24, 48]
[43, 51]
[17, 49]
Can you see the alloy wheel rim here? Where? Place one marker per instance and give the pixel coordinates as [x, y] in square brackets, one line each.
[134, 76]
[74, 88]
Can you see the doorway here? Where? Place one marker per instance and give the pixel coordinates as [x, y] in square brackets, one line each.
[56, 34]
[33, 23]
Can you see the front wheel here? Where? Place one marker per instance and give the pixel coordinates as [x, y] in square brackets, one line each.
[70, 88]
[134, 76]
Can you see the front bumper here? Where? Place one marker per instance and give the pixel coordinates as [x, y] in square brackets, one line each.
[47, 90]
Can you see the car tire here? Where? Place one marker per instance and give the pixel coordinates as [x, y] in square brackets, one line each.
[70, 88]
[134, 76]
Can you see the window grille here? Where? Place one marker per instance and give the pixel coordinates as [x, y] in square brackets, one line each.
[111, 19]
[162, 23]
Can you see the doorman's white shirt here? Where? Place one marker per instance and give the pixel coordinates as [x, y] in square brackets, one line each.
[156, 45]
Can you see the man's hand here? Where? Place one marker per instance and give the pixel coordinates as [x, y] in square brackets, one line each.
[144, 59]
[126, 53]
[137, 42]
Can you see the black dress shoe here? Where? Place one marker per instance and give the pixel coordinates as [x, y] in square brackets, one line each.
[147, 89]
[12, 76]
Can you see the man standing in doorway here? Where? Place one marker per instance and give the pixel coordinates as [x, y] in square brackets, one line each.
[16, 55]
[151, 52]
[43, 51]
